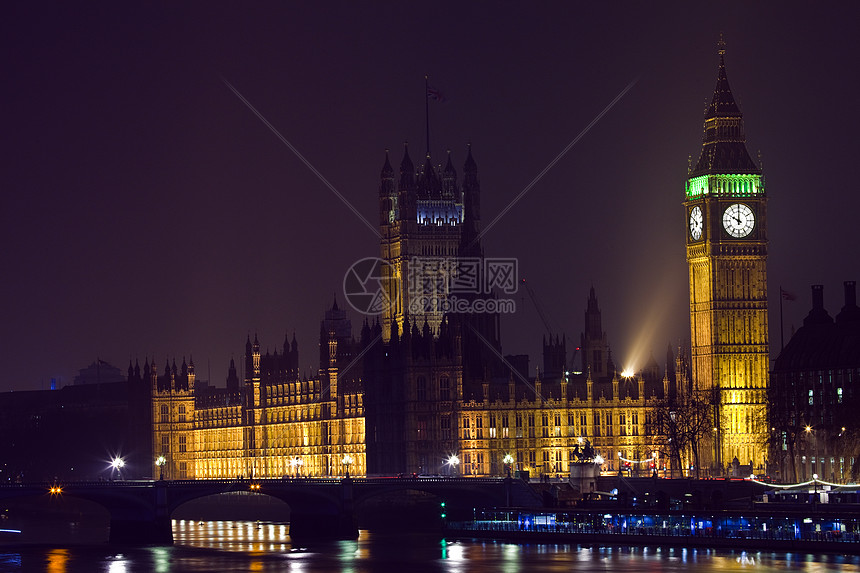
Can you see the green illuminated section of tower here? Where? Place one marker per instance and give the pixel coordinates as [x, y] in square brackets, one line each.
[725, 218]
[729, 185]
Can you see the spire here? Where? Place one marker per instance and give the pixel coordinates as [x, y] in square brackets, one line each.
[387, 170]
[724, 142]
[470, 166]
[723, 102]
[407, 169]
[449, 167]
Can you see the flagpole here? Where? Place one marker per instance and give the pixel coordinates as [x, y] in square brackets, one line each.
[781, 329]
[427, 112]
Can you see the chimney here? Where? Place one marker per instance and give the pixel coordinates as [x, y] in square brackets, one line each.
[817, 297]
[850, 294]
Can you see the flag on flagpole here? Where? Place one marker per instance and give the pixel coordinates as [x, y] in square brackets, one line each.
[786, 295]
[434, 94]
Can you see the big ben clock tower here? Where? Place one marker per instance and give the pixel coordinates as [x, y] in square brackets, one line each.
[726, 228]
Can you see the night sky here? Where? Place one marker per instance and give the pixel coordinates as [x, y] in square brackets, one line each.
[148, 213]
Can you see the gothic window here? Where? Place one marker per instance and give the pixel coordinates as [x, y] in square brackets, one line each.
[634, 419]
[597, 424]
[422, 429]
[445, 389]
[609, 423]
[466, 428]
[165, 444]
[445, 426]
[622, 427]
[182, 412]
[165, 413]
[182, 444]
[479, 427]
[531, 425]
[422, 389]
[544, 430]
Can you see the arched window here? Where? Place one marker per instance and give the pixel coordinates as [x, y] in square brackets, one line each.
[165, 413]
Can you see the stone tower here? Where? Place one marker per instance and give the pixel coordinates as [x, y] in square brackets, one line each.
[726, 228]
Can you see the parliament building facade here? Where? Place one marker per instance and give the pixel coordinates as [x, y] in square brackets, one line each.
[423, 390]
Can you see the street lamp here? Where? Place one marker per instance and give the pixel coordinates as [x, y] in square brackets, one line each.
[509, 460]
[160, 463]
[117, 464]
[296, 463]
[453, 462]
[347, 460]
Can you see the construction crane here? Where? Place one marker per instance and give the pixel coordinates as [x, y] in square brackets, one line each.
[537, 307]
[543, 316]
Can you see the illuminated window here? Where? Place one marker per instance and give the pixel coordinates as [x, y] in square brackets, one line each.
[165, 444]
[182, 412]
[839, 395]
[165, 413]
[182, 444]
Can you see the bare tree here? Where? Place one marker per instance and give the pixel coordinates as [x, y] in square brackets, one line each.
[684, 423]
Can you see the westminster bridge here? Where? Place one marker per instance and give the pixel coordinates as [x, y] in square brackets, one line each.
[140, 511]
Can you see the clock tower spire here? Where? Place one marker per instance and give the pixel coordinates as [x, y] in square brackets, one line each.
[725, 218]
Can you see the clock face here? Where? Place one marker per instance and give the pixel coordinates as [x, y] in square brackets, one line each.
[738, 220]
[696, 223]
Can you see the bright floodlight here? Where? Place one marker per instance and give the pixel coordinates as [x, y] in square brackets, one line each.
[509, 459]
[814, 476]
[160, 461]
[628, 373]
[117, 463]
[453, 460]
[808, 429]
[598, 459]
[347, 459]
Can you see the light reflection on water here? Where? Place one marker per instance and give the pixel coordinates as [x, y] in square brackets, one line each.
[226, 546]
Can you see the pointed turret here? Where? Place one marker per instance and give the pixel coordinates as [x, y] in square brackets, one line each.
[407, 170]
[449, 179]
[232, 377]
[429, 186]
[723, 143]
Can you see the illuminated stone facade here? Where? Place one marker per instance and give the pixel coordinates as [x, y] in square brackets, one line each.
[419, 386]
[274, 424]
[726, 229]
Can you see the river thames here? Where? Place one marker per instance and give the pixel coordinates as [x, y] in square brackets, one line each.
[265, 546]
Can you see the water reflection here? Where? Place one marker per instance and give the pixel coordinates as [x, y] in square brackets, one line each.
[57, 560]
[226, 546]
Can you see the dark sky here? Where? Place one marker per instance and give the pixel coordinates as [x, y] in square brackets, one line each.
[148, 213]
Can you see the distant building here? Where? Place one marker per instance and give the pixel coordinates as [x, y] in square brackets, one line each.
[99, 372]
[73, 433]
[815, 397]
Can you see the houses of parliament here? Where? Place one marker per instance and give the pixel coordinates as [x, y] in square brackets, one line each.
[419, 390]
